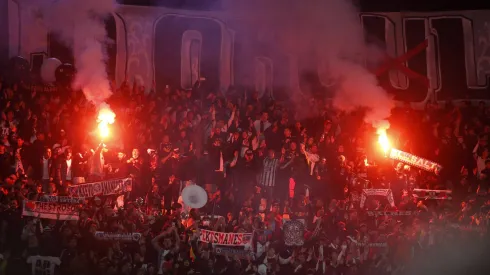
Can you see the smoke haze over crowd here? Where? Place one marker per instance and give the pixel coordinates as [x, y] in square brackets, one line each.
[331, 32]
[80, 25]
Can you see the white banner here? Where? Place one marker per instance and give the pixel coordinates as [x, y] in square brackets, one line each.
[222, 238]
[390, 213]
[50, 210]
[101, 188]
[429, 194]
[414, 160]
[361, 244]
[233, 252]
[123, 237]
[71, 200]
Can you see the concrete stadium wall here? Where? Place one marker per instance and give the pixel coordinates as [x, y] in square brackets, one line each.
[153, 44]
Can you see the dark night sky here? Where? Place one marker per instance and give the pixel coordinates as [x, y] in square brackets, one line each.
[366, 5]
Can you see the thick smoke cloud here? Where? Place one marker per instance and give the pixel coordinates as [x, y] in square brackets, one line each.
[80, 25]
[321, 31]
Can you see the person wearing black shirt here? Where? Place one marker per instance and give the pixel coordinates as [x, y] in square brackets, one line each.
[247, 169]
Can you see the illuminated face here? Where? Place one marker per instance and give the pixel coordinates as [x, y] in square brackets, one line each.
[120, 156]
[135, 153]
[249, 156]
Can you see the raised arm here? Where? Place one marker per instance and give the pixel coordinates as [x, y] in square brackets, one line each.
[230, 120]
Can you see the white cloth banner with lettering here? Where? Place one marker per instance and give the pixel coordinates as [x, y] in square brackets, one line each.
[414, 160]
[123, 237]
[62, 199]
[236, 239]
[101, 188]
[50, 210]
[429, 194]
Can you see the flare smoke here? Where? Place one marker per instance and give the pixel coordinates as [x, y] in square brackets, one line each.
[327, 32]
[80, 25]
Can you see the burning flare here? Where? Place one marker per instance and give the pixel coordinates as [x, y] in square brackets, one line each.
[383, 140]
[105, 118]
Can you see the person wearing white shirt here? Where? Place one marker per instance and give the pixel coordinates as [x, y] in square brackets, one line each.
[261, 125]
[68, 166]
[43, 265]
[46, 163]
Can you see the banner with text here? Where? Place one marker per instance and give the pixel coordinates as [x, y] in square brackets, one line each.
[123, 237]
[367, 244]
[220, 238]
[233, 252]
[390, 213]
[62, 199]
[429, 194]
[414, 160]
[102, 188]
[50, 210]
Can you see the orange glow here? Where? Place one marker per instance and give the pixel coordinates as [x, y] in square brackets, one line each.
[105, 118]
[366, 163]
[383, 140]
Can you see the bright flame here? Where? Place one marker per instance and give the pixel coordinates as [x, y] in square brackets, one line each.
[366, 163]
[105, 118]
[383, 140]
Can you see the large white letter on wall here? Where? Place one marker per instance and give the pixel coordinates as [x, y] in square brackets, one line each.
[190, 61]
[263, 76]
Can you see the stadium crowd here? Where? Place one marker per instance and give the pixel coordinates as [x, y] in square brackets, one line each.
[263, 164]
